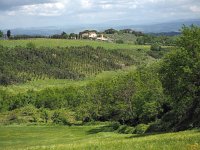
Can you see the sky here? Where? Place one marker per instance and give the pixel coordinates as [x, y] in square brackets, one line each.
[41, 13]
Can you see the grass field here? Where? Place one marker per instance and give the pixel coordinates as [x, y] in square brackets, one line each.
[91, 137]
[68, 43]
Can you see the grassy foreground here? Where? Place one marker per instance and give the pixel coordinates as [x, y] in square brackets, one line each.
[91, 137]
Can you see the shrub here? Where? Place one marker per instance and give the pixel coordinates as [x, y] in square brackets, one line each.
[130, 130]
[12, 116]
[155, 47]
[115, 125]
[126, 129]
[141, 128]
[122, 129]
[45, 115]
[28, 110]
[63, 117]
[30, 45]
[119, 41]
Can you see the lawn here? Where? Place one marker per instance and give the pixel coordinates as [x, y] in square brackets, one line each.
[68, 43]
[91, 137]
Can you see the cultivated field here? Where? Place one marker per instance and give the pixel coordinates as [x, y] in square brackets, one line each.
[69, 43]
[91, 137]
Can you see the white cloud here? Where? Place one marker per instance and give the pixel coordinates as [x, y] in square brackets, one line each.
[86, 4]
[96, 11]
[46, 9]
[195, 9]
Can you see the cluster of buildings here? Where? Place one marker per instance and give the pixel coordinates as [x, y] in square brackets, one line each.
[92, 35]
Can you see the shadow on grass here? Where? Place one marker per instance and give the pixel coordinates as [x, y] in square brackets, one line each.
[101, 129]
[157, 133]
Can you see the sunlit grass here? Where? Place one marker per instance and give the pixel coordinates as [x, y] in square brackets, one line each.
[69, 43]
[81, 138]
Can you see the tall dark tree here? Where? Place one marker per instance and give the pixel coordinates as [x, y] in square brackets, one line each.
[1, 33]
[8, 33]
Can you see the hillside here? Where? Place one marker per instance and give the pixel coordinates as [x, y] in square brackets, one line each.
[125, 37]
[21, 64]
[79, 85]
[70, 43]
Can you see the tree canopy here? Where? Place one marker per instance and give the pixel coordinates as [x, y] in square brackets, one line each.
[180, 76]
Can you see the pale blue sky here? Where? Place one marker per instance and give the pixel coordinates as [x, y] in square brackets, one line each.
[37, 13]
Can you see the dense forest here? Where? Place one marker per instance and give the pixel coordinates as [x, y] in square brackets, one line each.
[160, 96]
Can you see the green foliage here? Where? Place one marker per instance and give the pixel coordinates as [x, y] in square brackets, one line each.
[28, 110]
[110, 31]
[62, 117]
[124, 129]
[45, 115]
[31, 45]
[31, 115]
[1, 34]
[22, 64]
[125, 37]
[180, 74]
[54, 43]
[119, 41]
[152, 39]
[141, 128]
[128, 97]
[8, 33]
[155, 47]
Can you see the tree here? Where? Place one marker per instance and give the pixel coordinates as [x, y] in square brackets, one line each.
[110, 31]
[180, 76]
[8, 33]
[1, 34]
[155, 47]
[63, 33]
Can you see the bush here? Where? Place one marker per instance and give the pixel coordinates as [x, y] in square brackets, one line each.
[63, 117]
[141, 129]
[119, 41]
[28, 110]
[30, 45]
[122, 129]
[155, 47]
[45, 115]
[115, 125]
[126, 129]
[14, 118]
[130, 130]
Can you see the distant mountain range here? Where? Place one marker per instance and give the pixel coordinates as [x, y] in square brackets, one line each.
[161, 28]
[174, 26]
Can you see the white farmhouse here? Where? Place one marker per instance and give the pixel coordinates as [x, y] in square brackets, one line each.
[102, 38]
[88, 34]
[92, 35]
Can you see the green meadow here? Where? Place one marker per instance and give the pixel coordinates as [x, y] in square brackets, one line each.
[91, 137]
[69, 43]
